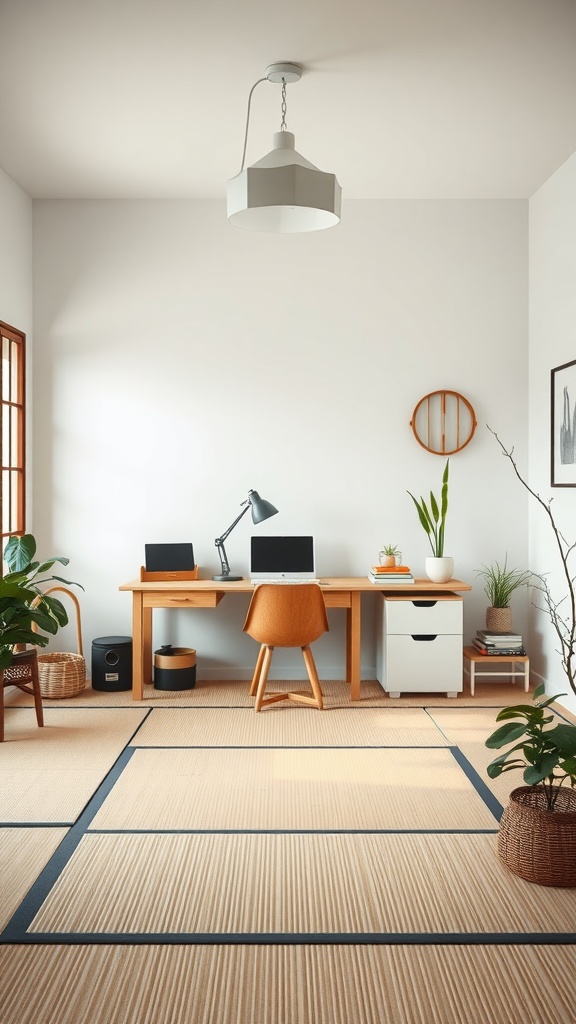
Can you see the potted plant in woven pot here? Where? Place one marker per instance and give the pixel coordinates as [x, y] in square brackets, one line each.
[500, 582]
[537, 836]
[438, 567]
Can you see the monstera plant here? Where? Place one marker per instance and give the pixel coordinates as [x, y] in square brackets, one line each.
[23, 604]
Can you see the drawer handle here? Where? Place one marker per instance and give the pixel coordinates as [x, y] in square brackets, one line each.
[424, 604]
[424, 636]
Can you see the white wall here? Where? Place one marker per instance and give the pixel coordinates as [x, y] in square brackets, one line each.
[181, 362]
[16, 277]
[552, 343]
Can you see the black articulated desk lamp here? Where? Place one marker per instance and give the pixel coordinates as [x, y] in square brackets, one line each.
[261, 510]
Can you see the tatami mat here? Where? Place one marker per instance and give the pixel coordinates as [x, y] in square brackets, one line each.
[235, 693]
[283, 884]
[23, 854]
[289, 726]
[279, 789]
[469, 728]
[288, 984]
[48, 774]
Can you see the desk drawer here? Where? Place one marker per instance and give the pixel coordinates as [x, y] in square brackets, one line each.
[423, 615]
[415, 665]
[199, 599]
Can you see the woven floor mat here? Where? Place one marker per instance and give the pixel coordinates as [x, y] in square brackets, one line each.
[289, 726]
[468, 729]
[288, 789]
[49, 774]
[23, 854]
[287, 984]
[297, 884]
[235, 693]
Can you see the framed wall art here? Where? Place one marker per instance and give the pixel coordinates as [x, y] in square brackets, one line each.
[563, 425]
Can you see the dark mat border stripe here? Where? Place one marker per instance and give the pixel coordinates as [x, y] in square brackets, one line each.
[293, 939]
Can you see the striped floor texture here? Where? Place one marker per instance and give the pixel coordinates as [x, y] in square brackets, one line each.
[194, 862]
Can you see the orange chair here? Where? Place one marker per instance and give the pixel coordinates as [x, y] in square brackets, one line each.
[23, 673]
[286, 616]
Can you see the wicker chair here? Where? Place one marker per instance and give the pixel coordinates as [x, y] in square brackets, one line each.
[23, 673]
[286, 616]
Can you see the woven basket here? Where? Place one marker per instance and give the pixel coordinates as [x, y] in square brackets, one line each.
[63, 674]
[536, 844]
[499, 620]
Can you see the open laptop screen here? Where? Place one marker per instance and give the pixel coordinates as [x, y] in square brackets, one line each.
[282, 557]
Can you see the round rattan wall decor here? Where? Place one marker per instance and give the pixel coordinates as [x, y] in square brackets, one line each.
[443, 422]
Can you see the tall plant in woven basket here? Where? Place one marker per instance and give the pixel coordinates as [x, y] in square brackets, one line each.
[537, 836]
[500, 582]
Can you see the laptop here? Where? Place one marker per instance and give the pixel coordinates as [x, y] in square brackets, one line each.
[281, 559]
[169, 557]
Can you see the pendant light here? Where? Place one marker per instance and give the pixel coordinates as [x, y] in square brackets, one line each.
[282, 192]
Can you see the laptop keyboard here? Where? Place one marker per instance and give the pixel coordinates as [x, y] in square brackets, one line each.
[292, 583]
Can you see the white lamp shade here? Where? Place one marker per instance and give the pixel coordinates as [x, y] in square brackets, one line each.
[284, 192]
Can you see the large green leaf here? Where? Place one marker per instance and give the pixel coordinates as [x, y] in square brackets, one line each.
[537, 772]
[19, 552]
[564, 738]
[506, 734]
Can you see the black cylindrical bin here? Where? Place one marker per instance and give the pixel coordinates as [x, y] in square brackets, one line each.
[175, 668]
[112, 663]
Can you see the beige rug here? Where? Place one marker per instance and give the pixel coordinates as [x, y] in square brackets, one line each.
[285, 789]
[287, 985]
[23, 854]
[235, 693]
[316, 884]
[289, 726]
[49, 774]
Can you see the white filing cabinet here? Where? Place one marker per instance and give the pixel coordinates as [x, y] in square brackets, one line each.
[420, 644]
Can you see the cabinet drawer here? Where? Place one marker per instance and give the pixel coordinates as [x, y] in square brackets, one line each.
[421, 666]
[423, 615]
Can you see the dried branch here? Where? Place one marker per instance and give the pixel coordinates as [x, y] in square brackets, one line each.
[563, 620]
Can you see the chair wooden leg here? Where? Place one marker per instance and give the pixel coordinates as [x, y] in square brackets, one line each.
[257, 670]
[266, 659]
[313, 676]
[37, 694]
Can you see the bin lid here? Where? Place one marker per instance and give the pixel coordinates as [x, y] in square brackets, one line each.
[167, 650]
[112, 641]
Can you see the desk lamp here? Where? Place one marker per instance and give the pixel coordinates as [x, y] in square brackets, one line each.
[261, 510]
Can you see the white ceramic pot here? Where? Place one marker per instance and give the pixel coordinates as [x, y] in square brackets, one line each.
[439, 570]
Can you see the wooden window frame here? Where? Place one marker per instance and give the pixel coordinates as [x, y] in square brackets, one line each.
[12, 418]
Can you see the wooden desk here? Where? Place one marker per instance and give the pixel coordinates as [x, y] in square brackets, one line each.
[339, 592]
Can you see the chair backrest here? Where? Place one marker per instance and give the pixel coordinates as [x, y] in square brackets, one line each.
[282, 615]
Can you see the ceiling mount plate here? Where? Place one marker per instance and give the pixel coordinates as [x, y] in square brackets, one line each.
[284, 71]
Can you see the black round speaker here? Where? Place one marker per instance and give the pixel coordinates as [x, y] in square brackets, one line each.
[112, 663]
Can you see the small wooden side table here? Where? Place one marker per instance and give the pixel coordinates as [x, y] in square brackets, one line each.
[472, 657]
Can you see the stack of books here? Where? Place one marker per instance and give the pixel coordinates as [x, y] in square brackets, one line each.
[383, 576]
[498, 643]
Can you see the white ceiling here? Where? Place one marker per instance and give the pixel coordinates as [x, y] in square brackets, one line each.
[400, 98]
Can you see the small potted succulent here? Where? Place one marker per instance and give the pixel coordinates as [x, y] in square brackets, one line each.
[390, 555]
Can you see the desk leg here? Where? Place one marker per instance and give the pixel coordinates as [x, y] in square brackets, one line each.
[353, 648]
[137, 646]
[147, 646]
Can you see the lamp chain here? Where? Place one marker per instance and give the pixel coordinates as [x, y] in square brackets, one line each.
[283, 123]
